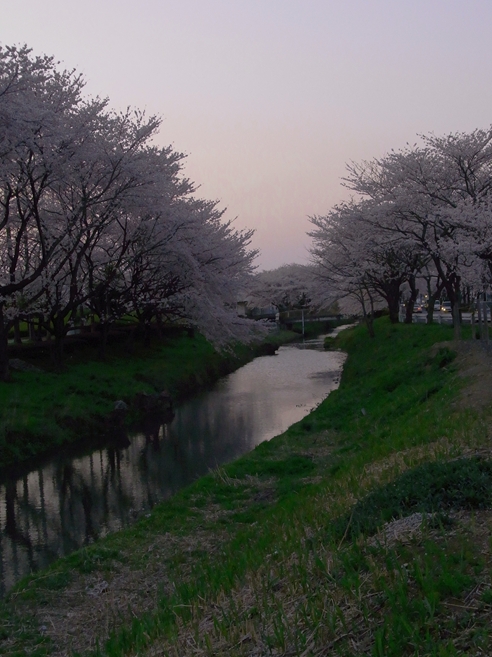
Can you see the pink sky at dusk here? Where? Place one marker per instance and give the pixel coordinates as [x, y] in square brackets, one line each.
[271, 98]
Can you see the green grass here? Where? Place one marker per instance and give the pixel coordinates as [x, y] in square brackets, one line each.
[42, 410]
[280, 552]
[433, 487]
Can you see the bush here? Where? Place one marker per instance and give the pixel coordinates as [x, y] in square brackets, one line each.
[434, 487]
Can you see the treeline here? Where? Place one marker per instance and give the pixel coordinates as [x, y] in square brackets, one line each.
[421, 217]
[96, 219]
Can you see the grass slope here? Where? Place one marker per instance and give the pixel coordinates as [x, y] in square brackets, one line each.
[285, 551]
[43, 410]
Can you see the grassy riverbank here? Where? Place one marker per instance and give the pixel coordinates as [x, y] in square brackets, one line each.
[43, 410]
[286, 551]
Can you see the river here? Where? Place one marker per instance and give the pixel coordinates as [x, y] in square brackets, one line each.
[71, 500]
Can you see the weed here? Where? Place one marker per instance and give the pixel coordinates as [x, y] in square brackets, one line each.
[430, 488]
[92, 558]
[294, 571]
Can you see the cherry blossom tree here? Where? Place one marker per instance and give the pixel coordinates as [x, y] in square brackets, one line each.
[289, 287]
[36, 104]
[106, 198]
[425, 190]
[358, 258]
[93, 214]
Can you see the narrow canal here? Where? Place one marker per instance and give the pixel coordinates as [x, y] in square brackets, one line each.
[69, 502]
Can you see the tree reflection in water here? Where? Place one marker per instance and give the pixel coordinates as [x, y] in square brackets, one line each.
[72, 500]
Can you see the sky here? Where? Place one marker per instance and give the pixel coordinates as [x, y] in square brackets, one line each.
[270, 99]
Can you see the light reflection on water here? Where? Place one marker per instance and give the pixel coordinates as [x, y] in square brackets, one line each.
[69, 502]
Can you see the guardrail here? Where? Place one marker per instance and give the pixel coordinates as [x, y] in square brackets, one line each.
[440, 318]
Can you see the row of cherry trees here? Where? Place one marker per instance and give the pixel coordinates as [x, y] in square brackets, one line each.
[94, 216]
[423, 213]
[287, 287]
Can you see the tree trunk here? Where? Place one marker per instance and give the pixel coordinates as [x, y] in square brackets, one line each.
[371, 316]
[103, 339]
[411, 302]
[456, 301]
[409, 311]
[370, 324]
[391, 294]
[368, 317]
[485, 315]
[394, 311]
[457, 320]
[131, 338]
[158, 320]
[432, 298]
[59, 344]
[430, 311]
[17, 333]
[4, 348]
[480, 323]
[147, 335]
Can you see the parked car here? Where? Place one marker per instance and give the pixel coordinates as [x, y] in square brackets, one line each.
[446, 307]
[417, 307]
[437, 306]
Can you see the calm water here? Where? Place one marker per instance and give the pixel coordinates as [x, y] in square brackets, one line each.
[69, 502]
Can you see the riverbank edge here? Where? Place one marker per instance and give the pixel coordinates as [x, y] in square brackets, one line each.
[83, 429]
[238, 528]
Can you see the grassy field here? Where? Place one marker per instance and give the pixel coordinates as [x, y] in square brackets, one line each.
[40, 411]
[363, 530]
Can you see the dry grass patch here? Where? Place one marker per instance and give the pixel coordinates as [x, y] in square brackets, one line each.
[347, 602]
[84, 613]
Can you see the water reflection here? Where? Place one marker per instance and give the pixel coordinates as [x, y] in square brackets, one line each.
[71, 501]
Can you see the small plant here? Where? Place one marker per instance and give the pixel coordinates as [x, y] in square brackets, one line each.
[444, 357]
[430, 488]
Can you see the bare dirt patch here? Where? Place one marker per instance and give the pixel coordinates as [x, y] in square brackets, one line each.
[93, 605]
[474, 363]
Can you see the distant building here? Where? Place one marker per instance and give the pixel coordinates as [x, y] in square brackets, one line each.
[241, 307]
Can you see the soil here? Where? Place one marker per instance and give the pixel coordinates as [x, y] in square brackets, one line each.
[474, 362]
